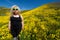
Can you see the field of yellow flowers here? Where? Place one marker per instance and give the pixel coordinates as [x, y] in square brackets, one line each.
[42, 23]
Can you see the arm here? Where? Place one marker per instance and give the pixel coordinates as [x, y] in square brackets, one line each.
[22, 23]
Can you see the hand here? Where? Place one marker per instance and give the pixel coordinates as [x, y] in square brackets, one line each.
[22, 29]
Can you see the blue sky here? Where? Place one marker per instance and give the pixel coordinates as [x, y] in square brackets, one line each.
[25, 4]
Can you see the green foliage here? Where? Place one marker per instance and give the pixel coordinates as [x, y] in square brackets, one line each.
[42, 23]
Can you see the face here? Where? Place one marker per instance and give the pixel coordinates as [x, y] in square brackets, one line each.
[15, 11]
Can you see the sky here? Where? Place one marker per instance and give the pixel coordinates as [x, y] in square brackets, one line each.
[25, 4]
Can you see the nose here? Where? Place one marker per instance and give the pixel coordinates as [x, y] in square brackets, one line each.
[14, 10]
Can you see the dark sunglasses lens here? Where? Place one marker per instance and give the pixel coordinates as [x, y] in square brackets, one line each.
[13, 9]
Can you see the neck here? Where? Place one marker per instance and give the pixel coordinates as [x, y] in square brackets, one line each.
[16, 14]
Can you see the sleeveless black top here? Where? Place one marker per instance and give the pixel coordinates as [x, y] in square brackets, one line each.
[16, 22]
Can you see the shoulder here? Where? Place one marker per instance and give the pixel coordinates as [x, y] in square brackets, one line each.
[11, 16]
[21, 16]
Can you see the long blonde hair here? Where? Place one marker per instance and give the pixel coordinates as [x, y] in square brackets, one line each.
[13, 7]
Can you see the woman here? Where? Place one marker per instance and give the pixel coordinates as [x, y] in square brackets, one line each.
[16, 23]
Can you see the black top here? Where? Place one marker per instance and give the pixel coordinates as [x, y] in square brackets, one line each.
[16, 22]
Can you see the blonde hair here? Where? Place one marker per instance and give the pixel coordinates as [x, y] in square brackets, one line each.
[13, 7]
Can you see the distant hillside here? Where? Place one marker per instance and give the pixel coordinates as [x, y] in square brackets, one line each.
[2, 7]
[3, 11]
[24, 11]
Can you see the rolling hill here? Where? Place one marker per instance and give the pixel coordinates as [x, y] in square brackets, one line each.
[45, 20]
[41, 23]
